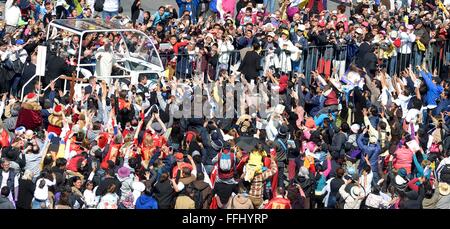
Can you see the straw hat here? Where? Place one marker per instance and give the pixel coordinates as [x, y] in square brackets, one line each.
[355, 191]
[444, 188]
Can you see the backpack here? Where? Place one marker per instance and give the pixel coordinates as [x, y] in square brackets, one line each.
[282, 156]
[197, 196]
[226, 165]
[16, 66]
[445, 174]
[98, 5]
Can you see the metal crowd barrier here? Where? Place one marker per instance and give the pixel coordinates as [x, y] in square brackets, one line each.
[324, 59]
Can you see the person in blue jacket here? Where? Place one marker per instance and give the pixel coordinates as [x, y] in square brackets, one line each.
[434, 90]
[444, 105]
[372, 150]
[188, 5]
[160, 16]
[146, 200]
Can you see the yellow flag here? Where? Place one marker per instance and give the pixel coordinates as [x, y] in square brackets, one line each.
[78, 7]
[303, 4]
[420, 46]
[61, 151]
[442, 7]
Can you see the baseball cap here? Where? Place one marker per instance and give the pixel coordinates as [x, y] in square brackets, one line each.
[179, 156]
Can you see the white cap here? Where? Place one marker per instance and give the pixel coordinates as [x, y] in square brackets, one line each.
[359, 30]
[138, 186]
[301, 27]
[271, 34]
[125, 87]
[355, 128]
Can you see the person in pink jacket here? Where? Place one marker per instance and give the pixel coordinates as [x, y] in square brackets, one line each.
[403, 158]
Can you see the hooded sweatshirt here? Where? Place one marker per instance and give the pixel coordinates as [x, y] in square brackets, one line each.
[146, 202]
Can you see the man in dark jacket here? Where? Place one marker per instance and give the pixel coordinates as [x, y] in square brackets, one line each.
[56, 66]
[308, 185]
[282, 147]
[106, 181]
[370, 61]
[60, 171]
[250, 65]
[210, 152]
[364, 48]
[423, 35]
[338, 141]
[246, 41]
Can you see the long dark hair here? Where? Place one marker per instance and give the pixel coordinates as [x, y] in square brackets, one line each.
[111, 188]
[64, 199]
[164, 177]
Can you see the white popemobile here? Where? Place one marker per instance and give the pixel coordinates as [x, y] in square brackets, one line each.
[141, 58]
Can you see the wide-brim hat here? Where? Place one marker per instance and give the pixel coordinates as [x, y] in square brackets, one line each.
[355, 191]
[301, 27]
[400, 180]
[444, 188]
[123, 172]
[29, 134]
[138, 186]
[283, 131]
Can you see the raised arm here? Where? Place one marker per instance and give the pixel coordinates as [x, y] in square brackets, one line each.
[328, 170]
[273, 168]
[427, 78]
[2, 104]
[418, 166]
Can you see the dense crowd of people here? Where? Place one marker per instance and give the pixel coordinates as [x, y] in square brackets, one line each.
[300, 107]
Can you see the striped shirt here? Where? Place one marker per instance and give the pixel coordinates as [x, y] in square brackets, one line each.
[256, 189]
